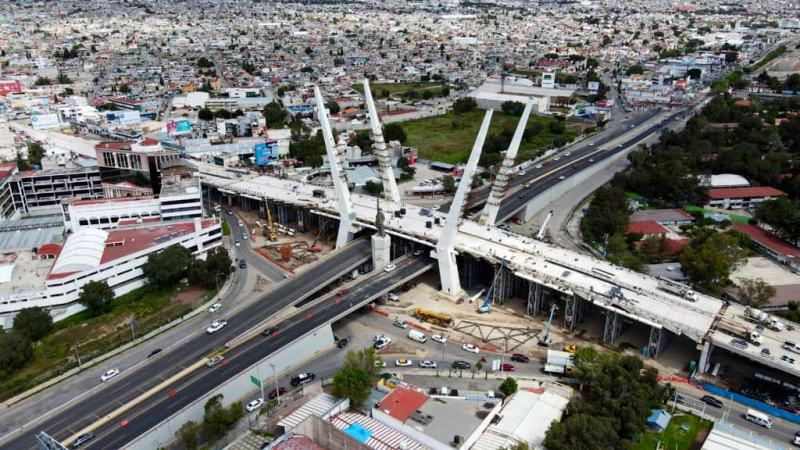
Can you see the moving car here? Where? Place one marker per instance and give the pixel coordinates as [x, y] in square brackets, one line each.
[709, 400]
[303, 378]
[439, 338]
[215, 307]
[399, 324]
[392, 297]
[214, 361]
[403, 363]
[518, 357]
[216, 326]
[242, 264]
[254, 405]
[461, 365]
[109, 375]
[154, 353]
[562, 177]
[506, 367]
[276, 392]
[82, 439]
[343, 343]
[538, 166]
[237, 243]
[389, 268]
[470, 348]
[269, 331]
[427, 364]
[245, 236]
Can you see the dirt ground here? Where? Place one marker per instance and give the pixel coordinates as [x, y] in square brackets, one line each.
[189, 296]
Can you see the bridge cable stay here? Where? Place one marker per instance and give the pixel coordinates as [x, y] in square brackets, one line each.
[390, 191]
[503, 177]
[445, 252]
[347, 215]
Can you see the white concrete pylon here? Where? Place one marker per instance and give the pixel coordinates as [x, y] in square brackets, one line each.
[445, 252]
[347, 215]
[500, 185]
[390, 191]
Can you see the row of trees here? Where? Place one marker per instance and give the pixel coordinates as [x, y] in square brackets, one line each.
[217, 420]
[16, 346]
[208, 115]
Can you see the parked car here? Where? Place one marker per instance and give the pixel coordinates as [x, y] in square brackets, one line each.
[82, 439]
[215, 307]
[276, 392]
[399, 324]
[254, 405]
[214, 361]
[518, 357]
[216, 326]
[709, 400]
[470, 348]
[439, 338]
[392, 297]
[109, 374]
[380, 363]
[378, 337]
[381, 344]
[403, 363]
[427, 364]
[506, 367]
[302, 378]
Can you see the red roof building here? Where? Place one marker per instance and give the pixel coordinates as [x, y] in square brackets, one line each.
[741, 197]
[771, 245]
[648, 227]
[402, 402]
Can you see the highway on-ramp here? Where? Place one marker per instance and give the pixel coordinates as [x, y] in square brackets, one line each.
[204, 380]
[107, 398]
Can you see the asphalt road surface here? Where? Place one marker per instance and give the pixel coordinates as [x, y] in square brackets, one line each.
[244, 250]
[129, 385]
[204, 380]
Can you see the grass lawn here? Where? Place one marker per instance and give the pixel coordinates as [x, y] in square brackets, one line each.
[399, 89]
[55, 353]
[681, 433]
[449, 137]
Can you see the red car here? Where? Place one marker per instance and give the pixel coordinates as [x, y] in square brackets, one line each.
[506, 367]
[275, 392]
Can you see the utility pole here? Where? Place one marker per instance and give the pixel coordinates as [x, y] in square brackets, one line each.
[275, 376]
[77, 355]
[133, 324]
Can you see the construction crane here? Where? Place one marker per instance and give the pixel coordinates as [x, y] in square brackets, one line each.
[545, 340]
[269, 232]
[486, 306]
[543, 229]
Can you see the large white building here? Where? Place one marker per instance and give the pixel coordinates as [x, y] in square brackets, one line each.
[52, 276]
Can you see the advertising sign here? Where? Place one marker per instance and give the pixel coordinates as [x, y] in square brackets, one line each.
[300, 108]
[9, 87]
[175, 127]
[129, 117]
[44, 121]
[593, 86]
[266, 152]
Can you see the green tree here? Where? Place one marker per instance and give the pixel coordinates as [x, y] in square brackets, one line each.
[63, 79]
[783, 216]
[217, 419]
[509, 386]
[204, 62]
[353, 383]
[124, 88]
[464, 105]
[557, 127]
[188, 435]
[583, 432]
[363, 359]
[512, 108]
[449, 183]
[43, 81]
[218, 262]
[606, 215]
[35, 153]
[15, 351]
[96, 296]
[309, 150]
[362, 139]
[205, 114]
[394, 132]
[635, 69]
[167, 267]
[333, 107]
[373, 187]
[755, 292]
[709, 261]
[33, 323]
[275, 115]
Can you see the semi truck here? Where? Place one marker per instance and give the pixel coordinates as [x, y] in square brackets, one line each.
[676, 288]
[760, 317]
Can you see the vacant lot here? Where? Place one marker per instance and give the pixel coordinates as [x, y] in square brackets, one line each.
[381, 90]
[90, 337]
[680, 434]
[449, 137]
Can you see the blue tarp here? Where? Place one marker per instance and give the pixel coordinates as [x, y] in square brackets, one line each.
[752, 403]
[357, 432]
[659, 418]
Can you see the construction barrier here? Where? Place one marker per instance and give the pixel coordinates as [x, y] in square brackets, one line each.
[752, 403]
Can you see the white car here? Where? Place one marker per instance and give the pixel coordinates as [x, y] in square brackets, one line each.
[392, 297]
[254, 405]
[215, 307]
[418, 252]
[427, 364]
[389, 268]
[538, 166]
[109, 375]
[439, 338]
[378, 337]
[435, 207]
[470, 348]
[382, 344]
[403, 363]
[216, 326]
[562, 177]
[567, 154]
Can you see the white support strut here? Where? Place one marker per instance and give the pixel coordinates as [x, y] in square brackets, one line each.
[500, 185]
[445, 252]
[347, 215]
[390, 191]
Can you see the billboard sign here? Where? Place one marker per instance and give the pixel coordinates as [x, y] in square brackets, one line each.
[300, 108]
[176, 127]
[44, 121]
[266, 152]
[129, 117]
[593, 86]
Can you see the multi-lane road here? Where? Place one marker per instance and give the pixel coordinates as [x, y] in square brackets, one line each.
[102, 400]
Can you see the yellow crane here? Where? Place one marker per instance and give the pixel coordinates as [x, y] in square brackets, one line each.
[269, 232]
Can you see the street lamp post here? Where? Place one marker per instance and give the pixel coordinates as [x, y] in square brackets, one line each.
[275, 375]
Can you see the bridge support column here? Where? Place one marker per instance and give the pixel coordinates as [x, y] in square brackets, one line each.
[503, 286]
[705, 356]
[657, 341]
[536, 293]
[571, 311]
[381, 254]
[613, 327]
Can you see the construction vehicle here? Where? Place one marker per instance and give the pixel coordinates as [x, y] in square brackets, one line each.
[269, 228]
[676, 288]
[486, 305]
[760, 317]
[433, 317]
[751, 335]
[559, 363]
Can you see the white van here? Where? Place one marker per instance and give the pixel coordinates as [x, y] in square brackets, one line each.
[758, 418]
[418, 336]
